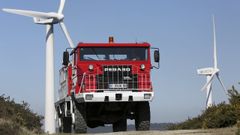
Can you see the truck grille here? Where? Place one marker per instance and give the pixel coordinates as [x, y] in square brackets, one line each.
[117, 77]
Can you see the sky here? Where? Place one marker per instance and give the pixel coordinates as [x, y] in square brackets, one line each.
[181, 29]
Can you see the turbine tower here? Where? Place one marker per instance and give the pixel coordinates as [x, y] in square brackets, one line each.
[48, 19]
[210, 72]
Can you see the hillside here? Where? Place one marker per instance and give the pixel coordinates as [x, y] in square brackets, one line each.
[17, 118]
[218, 116]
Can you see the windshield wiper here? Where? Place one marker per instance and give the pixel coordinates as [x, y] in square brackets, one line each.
[95, 53]
[89, 58]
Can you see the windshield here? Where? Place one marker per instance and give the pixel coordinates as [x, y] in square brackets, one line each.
[114, 53]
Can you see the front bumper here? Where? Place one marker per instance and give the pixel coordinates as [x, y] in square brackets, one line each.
[115, 96]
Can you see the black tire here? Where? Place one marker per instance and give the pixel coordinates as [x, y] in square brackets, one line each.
[142, 116]
[80, 118]
[120, 125]
[66, 125]
[60, 128]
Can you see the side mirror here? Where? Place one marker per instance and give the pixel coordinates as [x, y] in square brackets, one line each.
[65, 58]
[156, 56]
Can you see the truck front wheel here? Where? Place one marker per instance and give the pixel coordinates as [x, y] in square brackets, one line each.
[142, 116]
[120, 125]
[80, 118]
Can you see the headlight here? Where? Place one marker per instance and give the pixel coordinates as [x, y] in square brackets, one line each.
[90, 67]
[89, 97]
[147, 96]
[142, 67]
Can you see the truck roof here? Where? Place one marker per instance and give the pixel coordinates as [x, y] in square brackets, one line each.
[145, 44]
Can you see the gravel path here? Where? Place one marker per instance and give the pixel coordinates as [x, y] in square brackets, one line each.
[225, 131]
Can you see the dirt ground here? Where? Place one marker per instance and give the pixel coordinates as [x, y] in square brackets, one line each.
[224, 131]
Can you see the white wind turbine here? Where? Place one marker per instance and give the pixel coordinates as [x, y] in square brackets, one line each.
[211, 72]
[48, 19]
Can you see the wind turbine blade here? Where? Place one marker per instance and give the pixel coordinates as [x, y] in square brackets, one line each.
[61, 7]
[33, 14]
[224, 88]
[210, 80]
[64, 29]
[214, 44]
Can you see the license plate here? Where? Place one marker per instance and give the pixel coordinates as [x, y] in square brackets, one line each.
[118, 86]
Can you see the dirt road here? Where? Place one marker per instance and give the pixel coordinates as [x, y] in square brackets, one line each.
[225, 131]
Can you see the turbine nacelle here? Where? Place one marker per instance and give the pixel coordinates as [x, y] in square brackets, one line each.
[207, 71]
[56, 16]
[49, 20]
[52, 15]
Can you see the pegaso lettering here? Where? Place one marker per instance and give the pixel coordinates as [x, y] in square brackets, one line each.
[117, 69]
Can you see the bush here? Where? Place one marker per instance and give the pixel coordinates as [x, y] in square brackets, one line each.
[19, 114]
[9, 128]
[194, 123]
[217, 116]
[238, 128]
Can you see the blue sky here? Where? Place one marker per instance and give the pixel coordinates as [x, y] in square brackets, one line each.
[181, 29]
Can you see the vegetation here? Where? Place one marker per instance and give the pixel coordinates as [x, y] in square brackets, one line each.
[238, 130]
[217, 116]
[16, 119]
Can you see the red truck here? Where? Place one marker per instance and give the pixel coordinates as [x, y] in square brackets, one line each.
[106, 83]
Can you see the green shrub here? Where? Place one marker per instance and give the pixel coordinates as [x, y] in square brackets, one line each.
[9, 128]
[20, 114]
[238, 128]
[194, 123]
[217, 116]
